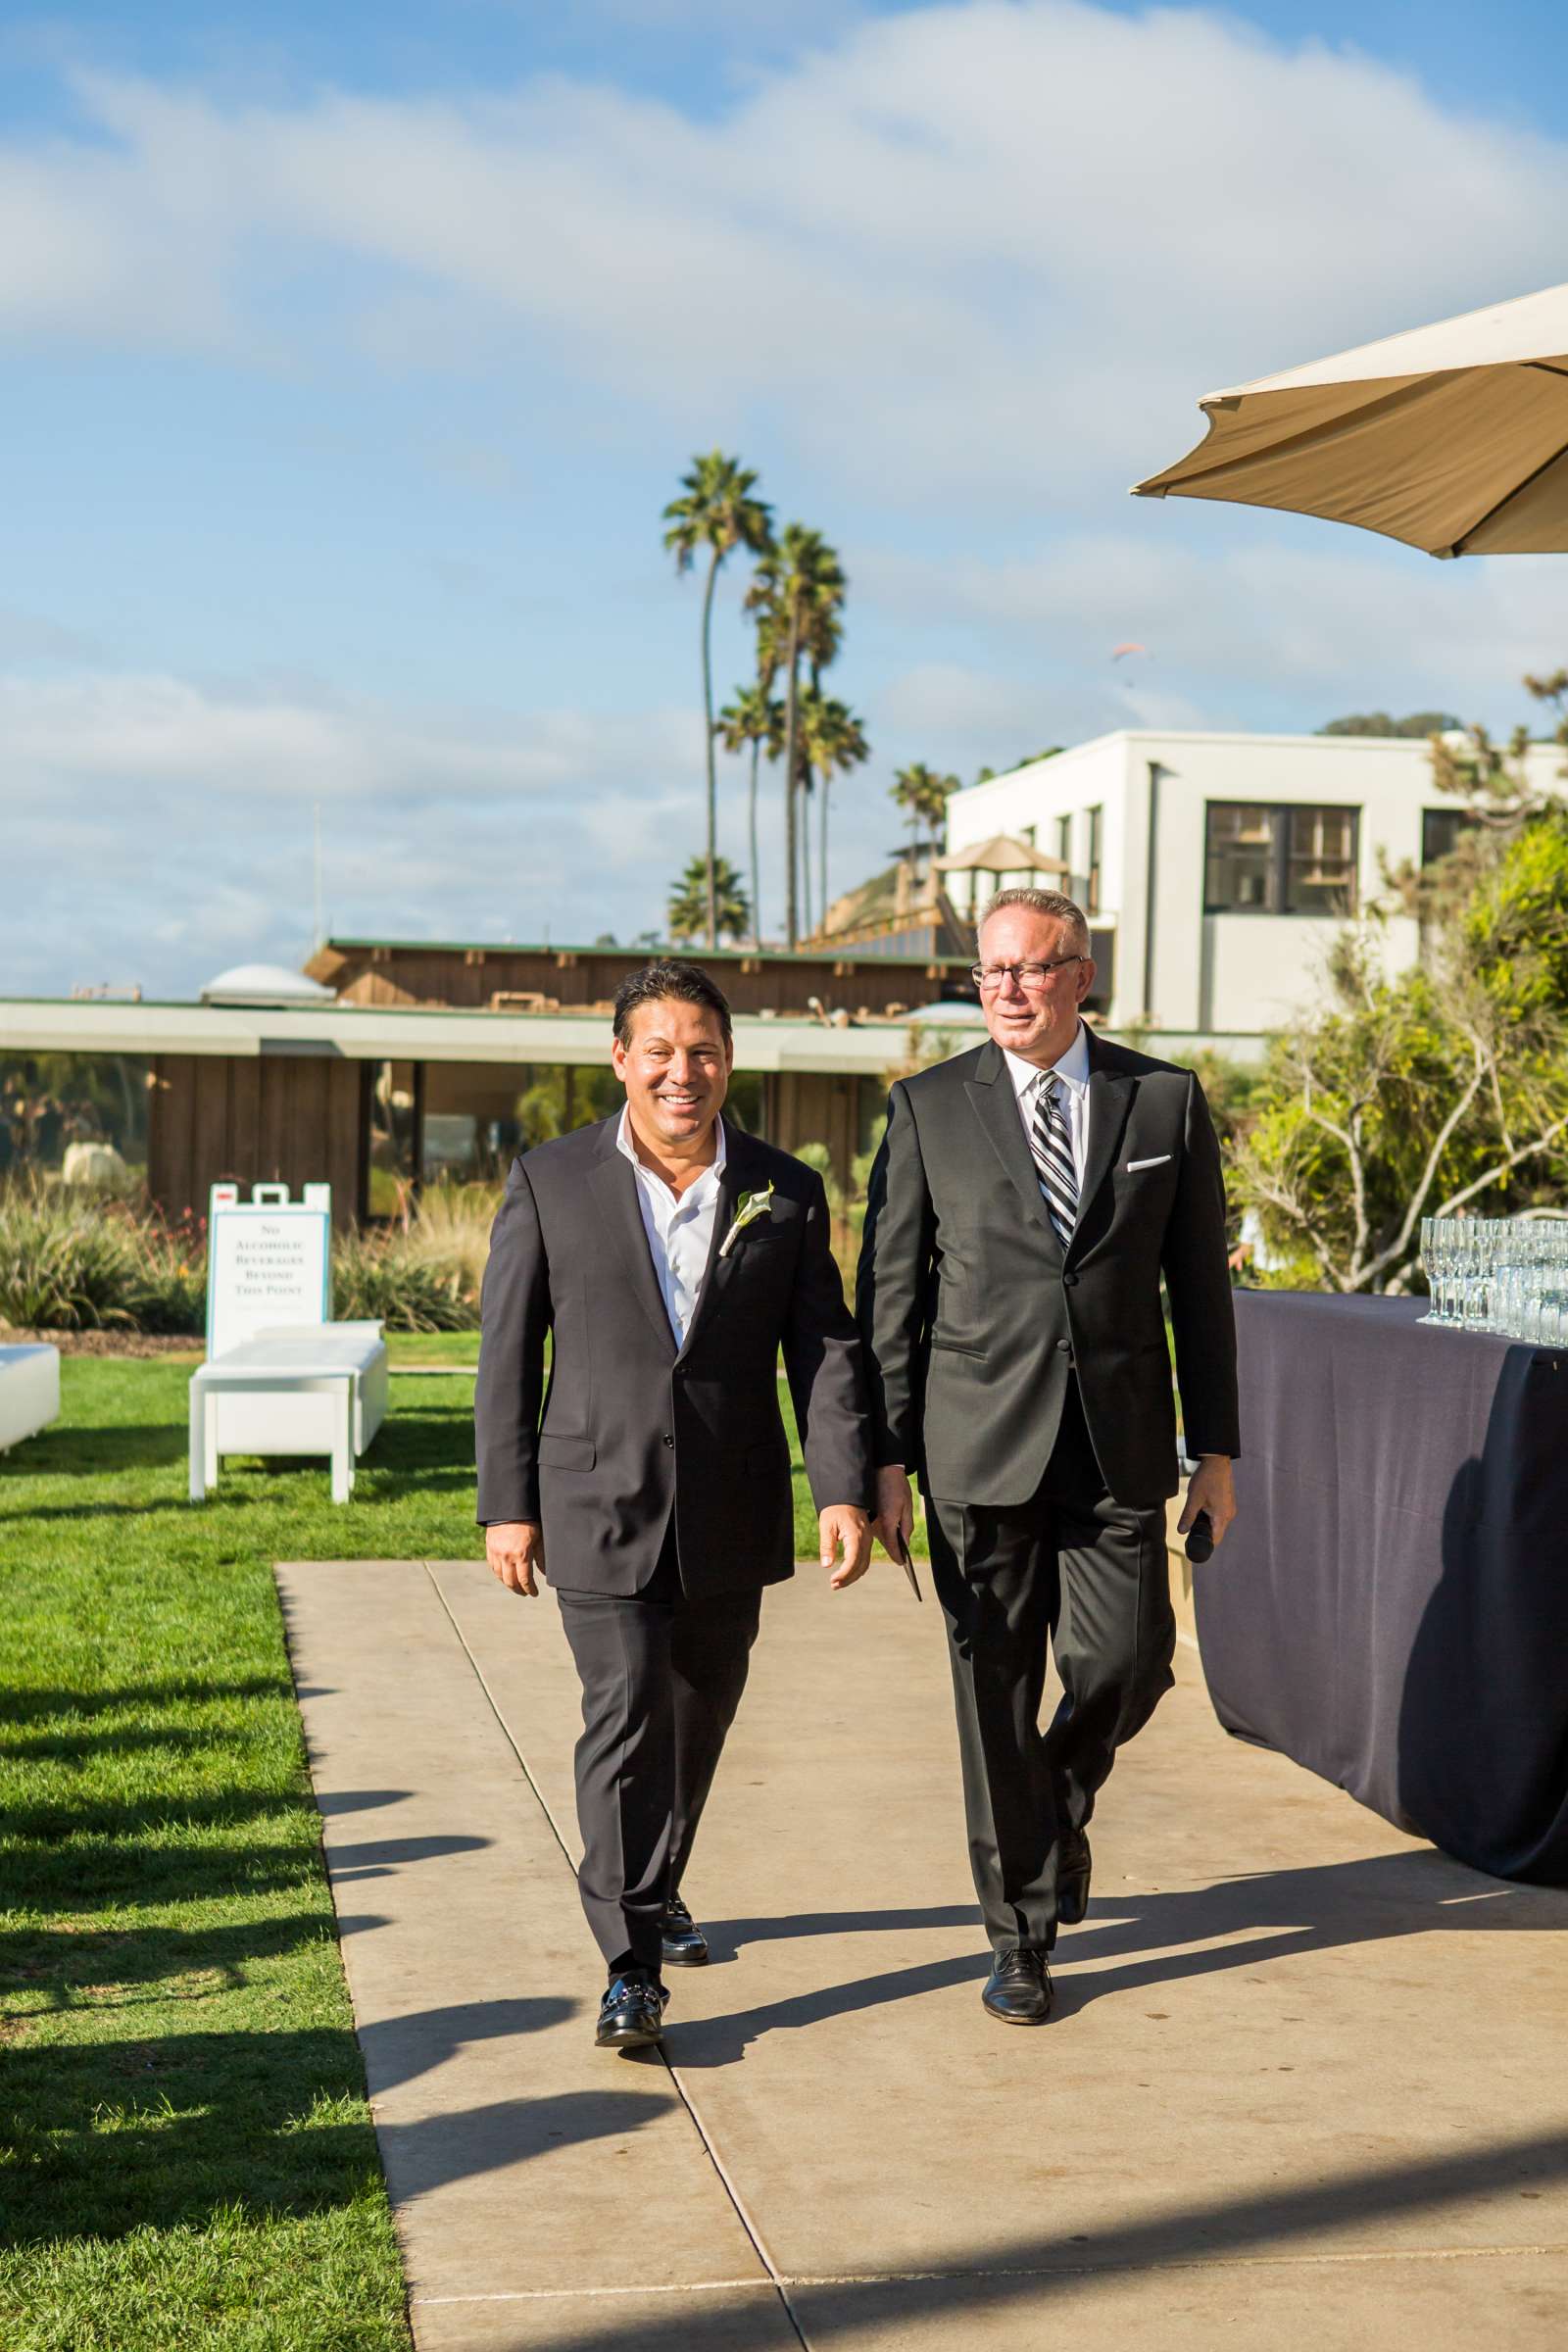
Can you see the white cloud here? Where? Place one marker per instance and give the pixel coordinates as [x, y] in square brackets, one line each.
[994, 250]
[1337, 622]
[154, 825]
[965, 268]
[113, 729]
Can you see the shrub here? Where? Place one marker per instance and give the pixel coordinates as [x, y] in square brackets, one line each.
[73, 1263]
[383, 1275]
[450, 1232]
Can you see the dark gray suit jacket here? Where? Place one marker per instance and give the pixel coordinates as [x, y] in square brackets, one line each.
[973, 1314]
[630, 1428]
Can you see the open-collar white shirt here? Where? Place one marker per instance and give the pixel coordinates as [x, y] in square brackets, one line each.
[679, 1227]
[1073, 1071]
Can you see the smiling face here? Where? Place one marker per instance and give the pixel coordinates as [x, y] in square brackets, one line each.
[1038, 1024]
[676, 1074]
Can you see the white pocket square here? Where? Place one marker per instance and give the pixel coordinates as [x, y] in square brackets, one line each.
[1158, 1161]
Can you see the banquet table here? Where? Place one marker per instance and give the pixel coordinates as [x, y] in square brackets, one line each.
[1391, 1606]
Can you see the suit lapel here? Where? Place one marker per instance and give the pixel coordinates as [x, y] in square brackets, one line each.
[735, 1178]
[613, 1186]
[1110, 1099]
[994, 1103]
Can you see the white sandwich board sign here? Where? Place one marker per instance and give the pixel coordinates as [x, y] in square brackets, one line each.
[269, 1262]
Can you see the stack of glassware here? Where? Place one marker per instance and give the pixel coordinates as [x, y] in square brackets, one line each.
[1502, 1274]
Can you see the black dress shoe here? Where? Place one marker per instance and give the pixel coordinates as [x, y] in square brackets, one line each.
[1018, 1988]
[683, 1943]
[632, 2012]
[1073, 1863]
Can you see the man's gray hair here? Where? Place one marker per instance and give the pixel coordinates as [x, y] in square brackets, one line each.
[1050, 903]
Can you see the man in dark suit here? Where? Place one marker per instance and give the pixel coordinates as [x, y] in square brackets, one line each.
[669, 1257]
[1026, 1201]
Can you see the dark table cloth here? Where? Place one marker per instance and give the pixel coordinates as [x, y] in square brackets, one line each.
[1390, 1607]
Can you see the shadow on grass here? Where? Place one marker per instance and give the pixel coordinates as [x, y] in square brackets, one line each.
[102, 1450]
[42, 1701]
[107, 2138]
[102, 1969]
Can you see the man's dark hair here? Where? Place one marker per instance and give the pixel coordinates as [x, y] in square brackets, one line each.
[670, 977]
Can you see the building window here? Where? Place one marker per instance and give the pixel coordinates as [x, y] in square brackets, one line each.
[1092, 890]
[1280, 861]
[1320, 866]
[79, 1116]
[1442, 831]
[1064, 849]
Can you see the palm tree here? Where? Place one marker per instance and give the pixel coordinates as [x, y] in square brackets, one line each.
[832, 742]
[716, 510]
[709, 899]
[922, 794]
[754, 717]
[798, 597]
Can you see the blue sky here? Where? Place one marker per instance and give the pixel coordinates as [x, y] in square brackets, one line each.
[351, 355]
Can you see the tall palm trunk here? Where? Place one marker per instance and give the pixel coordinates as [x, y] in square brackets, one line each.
[757, 869]
[804, 850]
[708, 744]
[827, 786]
[792, 928]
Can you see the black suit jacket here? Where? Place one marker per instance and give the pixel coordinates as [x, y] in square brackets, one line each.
[630, 1428]
[973, 1314]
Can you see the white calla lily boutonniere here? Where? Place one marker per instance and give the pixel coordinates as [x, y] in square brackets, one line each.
[750, 1208]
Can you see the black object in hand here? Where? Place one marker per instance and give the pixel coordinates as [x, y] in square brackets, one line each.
[1200, 1540]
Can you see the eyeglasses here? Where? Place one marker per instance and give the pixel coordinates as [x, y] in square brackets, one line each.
[988, 978]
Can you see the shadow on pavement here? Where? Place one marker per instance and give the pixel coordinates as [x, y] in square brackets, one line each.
[1029, 2271]
[1133, 1941]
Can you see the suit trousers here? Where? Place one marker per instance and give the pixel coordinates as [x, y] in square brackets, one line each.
[1076, 1570]
[662, 1677]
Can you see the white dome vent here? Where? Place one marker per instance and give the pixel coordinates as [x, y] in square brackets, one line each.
[265, 984]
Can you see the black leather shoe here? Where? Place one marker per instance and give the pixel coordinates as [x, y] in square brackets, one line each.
[632, 2012]
[1073, 1863]
[683, 1943]
[1018, 1988]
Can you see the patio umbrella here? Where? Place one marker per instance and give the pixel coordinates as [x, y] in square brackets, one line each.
[1002, 853]
[1453, 437]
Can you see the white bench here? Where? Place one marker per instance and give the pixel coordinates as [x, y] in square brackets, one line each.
[30, 1393]
[306, 1389]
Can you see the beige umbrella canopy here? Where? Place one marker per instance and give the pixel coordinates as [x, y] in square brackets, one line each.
[1453, 437]
[1002, 853]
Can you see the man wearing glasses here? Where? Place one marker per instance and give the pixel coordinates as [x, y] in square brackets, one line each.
[1026, 1201]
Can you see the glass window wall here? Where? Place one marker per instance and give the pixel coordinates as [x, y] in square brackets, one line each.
[79, 1116]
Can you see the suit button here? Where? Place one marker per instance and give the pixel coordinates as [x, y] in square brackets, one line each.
[668, 1440]
[1064, 1346]
[1067, 1281]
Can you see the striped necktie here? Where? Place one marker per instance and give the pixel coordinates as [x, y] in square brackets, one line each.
[1051, 1145]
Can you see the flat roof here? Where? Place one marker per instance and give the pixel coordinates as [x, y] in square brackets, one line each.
[521, 947]
[763, 1042]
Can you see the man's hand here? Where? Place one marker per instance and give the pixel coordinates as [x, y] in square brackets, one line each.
[1212, 1489]
[894, 1509]
[515, 1549]
[842, 1524]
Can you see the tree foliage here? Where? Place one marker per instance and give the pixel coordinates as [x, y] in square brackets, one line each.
[717, 509]
[1441, 1090]
[921, 792]
[690, 900]
[796, 599]
[1378, 722]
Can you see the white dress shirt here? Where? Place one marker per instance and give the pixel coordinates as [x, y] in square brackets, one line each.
[679, 1227]
[1073, 1071]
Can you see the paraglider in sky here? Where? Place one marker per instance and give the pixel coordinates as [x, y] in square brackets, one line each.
[1118, 651]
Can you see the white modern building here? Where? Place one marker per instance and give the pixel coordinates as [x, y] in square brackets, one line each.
[1218, 868]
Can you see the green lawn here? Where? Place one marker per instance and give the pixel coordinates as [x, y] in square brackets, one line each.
[185, 2151]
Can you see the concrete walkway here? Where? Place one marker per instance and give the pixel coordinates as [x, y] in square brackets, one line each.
[1307, 2086]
